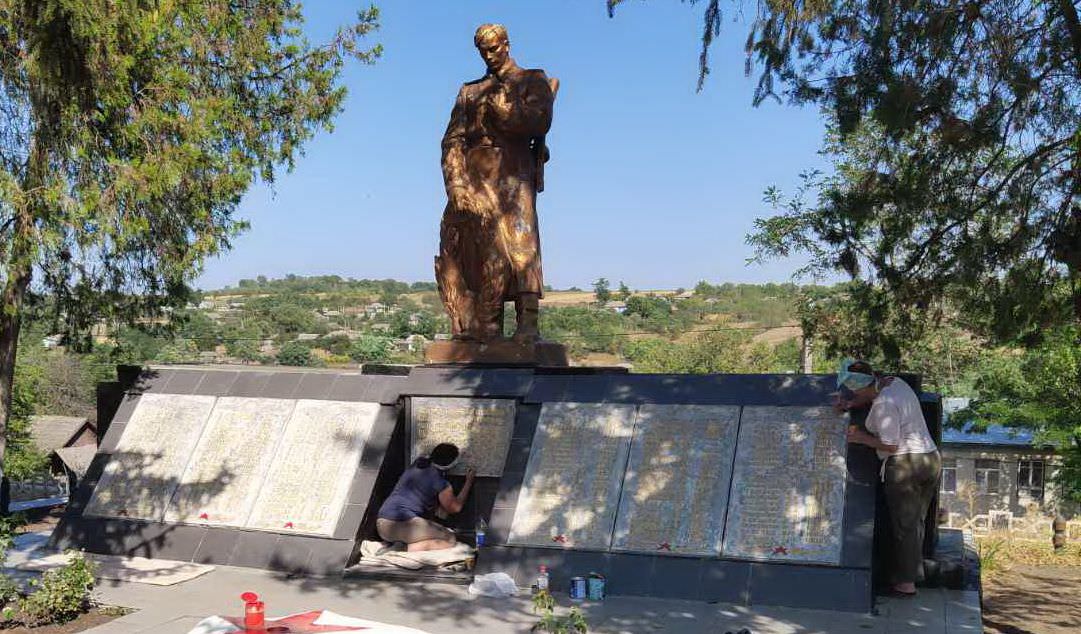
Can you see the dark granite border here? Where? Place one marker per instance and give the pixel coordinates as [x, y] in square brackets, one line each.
[678, 389]
[846, 586]
[235, 545]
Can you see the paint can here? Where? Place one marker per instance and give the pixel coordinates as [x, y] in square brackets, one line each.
[596, 587]
[577, 590]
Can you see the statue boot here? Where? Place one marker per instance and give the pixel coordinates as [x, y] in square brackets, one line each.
[527, 305]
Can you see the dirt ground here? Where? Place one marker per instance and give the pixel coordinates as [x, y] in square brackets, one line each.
[42, 519]
[91, 619]
[1030, 599]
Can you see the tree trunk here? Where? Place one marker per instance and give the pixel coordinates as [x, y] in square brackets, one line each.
[10, 322]
[20, 267]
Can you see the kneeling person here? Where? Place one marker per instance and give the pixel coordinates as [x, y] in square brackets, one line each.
[423, 488]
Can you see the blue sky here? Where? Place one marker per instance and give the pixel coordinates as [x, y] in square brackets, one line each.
[650, 182]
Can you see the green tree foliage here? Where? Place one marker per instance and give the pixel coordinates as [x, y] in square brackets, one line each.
[298, 284]
[1039, 390]
[601, 292]
[246, 350]
[583, 329]
[956, 132]
[296, 353]
[405, 323]
[624, 292]
[337, 344]
[722, 351]
[287, 314]
[131, 132]
[179, 351]
[195, 325]
[648, 307]
[371, 349]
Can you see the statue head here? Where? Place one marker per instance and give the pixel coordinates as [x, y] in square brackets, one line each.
[493, 45]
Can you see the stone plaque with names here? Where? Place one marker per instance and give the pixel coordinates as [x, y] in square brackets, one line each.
[480, 427]
[308, 482]
[150, 457]
[572, 481]
[788, 486]
[230, 462]
[675, 492]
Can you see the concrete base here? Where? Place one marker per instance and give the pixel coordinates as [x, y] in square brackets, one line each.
[443, 607]
[499, 352]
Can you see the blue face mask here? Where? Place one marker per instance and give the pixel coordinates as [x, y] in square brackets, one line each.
[853, 380]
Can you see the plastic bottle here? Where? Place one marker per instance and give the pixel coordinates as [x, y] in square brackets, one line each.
[482, 530]
[542, 578]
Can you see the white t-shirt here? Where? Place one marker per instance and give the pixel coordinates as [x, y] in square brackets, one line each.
[896, 419]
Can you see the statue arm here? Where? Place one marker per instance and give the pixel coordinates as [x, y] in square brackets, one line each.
[532, 114]
[454, 147]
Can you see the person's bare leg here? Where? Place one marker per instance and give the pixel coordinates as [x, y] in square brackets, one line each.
[431, 544]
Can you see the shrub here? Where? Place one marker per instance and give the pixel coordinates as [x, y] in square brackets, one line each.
[544, 604]
[61, 594]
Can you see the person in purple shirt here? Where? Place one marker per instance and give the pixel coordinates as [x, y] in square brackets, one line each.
[422, 489]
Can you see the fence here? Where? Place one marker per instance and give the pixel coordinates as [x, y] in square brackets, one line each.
[1023, 527]
[42, 493]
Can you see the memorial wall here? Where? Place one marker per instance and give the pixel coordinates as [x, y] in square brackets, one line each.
[280, 465]
[480, 427]
[757, 483]
[574, 476]
[788, 489]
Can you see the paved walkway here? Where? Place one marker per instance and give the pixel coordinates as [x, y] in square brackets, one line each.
[441, 608]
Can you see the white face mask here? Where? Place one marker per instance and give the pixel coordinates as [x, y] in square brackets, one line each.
[447, 467]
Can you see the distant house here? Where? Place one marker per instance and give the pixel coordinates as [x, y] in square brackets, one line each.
[52, 341]
[69, 441]
[375, 308]
[998, 469]
[307, 336]
[685, 295]
[616, 306]
[415, 319]
[381, 327]
[412, 343]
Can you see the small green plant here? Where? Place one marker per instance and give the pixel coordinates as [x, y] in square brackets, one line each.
[61, 594]
[9, 528]
[544, 605]
[9, 590]
[992, 556]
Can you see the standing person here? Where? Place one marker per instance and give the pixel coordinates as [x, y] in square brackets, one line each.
[897, 431]
[422, 489]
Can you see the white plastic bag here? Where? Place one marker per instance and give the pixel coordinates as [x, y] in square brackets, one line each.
[493, 584]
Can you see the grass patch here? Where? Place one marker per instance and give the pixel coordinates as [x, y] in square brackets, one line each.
[998, 553]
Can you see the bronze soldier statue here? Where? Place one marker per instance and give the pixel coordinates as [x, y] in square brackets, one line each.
[493, 162]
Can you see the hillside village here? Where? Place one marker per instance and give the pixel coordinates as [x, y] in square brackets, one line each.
[337, 322]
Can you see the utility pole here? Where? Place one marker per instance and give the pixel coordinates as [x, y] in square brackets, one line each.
[805, 361]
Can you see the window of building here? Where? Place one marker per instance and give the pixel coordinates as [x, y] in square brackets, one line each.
[1030, 478]
[987, 476]
[949, 475]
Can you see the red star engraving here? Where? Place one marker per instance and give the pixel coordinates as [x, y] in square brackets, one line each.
[665, 546]
[303, 623]
[560, 539]
[780, 550]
